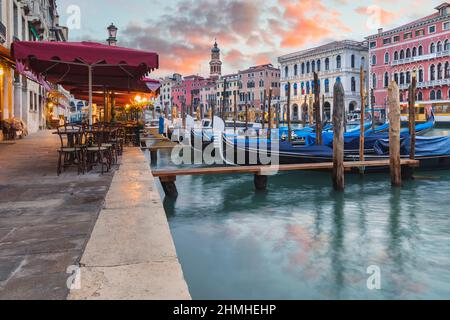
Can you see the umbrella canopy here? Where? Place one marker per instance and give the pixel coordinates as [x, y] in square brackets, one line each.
[86, 64]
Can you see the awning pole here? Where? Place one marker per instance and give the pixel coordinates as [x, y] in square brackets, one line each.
[90, 95]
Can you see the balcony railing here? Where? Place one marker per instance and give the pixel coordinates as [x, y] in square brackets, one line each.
[435, 55]
[309, 76]
[428, 84]
[2, 33]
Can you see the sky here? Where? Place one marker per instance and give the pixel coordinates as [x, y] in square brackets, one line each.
[249, 32]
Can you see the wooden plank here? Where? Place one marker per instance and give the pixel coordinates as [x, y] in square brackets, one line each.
[261, 170]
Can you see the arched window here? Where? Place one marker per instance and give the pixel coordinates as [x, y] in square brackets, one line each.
[338, 62]
[303, 88]
[421, 75]
[295, 70]
[386, 58]
[313, 66]
[303, 68]
[432, 48]
[374, 60]
[353, 84]
[327, 85]
[402, 54]
[420, 50]
[374, 81]
[402, 78]
[439, 95]
[338, 80]
[396, 78]
[318, 65]
[432, 73]
[446, 45]
[408, 53]
[439, 47]
[432, 95]
[408, 77]
[327, 64]
[447, 70]
[386, 79]
[307, 87]
[295, 89]
[286, 71]
[307, 67]
[352, 62]
[414, 52]
[419, 96]
[439, 71]
[363, 62]
[396, 55]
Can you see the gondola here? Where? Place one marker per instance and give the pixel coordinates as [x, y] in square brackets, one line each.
[249, 151]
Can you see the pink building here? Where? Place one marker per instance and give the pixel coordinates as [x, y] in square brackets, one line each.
[254, 81]
[188, 90]
[421, 47]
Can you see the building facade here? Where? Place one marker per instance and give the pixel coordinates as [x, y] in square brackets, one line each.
[226, 87]
[165, 96]
[421, 47]
[256, 80]
[188, 91]
[335, 61]
[21, 98]
[208, 94]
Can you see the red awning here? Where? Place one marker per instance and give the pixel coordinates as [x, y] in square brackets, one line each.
[86, 64]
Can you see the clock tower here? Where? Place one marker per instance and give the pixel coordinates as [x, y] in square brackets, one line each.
[215, 65]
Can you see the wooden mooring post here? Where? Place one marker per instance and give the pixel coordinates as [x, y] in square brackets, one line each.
[288, 111]
[263, 118]
[408, 172]
[362, 82]
[393, 100]
[338, 139]
[269, 131]
[260, 182]
[235, 111]
[317, 109]
[169, 186]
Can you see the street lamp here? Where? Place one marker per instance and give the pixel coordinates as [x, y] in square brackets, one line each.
[112, 31]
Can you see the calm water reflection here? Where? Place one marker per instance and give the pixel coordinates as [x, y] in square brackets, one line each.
[301, 240]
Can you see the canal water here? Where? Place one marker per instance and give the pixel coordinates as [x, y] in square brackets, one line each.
[301, 240]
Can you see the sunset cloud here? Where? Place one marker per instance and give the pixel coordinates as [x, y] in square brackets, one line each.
[249, 32]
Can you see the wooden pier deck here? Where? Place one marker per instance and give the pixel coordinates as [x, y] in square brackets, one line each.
[168, 177]
[261, 170]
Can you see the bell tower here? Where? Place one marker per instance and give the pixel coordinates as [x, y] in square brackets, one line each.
[215, 65]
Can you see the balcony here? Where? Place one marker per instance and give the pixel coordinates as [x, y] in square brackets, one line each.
[310, 76]
[427, 84]
[2, 33]
[431, 56]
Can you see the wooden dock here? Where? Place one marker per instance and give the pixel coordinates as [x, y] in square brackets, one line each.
[168, 177]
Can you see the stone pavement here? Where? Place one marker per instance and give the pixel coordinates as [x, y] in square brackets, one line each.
[45, 220]
[131, 254]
